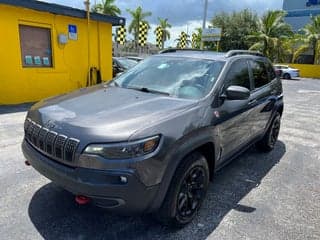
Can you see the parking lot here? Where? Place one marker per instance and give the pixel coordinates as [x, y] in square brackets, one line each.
[258, 196]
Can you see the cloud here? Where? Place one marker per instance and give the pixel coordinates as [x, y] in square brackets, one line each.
[182, 14]
[70, 3]
[181, 11]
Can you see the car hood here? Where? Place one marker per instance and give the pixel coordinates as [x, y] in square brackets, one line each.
[105, 113]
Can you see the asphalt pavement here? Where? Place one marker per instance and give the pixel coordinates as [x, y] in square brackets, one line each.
[272, 195]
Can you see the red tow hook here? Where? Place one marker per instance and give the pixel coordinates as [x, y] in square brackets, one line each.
[82, 200]
[27, 163]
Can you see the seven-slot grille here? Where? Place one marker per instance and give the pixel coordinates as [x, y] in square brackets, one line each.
[53, 144]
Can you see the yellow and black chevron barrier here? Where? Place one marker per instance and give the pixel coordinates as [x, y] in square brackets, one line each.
[183, 40]
[143, 33]
[159, 34]
[121, 35]
[194, 40]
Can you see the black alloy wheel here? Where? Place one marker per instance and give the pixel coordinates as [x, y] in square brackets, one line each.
[186, 192]
[192, 191]
[270, 138]
[274, 133]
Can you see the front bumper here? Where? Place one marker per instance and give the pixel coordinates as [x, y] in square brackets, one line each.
[295, 74]
[104, 187]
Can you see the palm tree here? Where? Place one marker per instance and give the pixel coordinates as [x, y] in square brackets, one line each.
[198, 37]
[163, 23]
[235, 27]
[271, 30]
[137, 16]
[293, 47]
[312, 33]
[106, 7]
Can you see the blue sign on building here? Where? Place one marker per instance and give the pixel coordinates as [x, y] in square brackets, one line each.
[312, 2]
[300, 12]
[73, 32]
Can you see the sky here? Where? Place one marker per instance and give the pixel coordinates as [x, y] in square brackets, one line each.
[183, 15]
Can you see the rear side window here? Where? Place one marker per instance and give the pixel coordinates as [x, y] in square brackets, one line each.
[238, 74]
[260, 74]
[271, 72]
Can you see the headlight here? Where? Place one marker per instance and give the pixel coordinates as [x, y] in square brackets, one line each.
[125, 150]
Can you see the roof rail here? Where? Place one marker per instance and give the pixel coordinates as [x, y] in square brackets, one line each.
[243, 52]
[170, 50]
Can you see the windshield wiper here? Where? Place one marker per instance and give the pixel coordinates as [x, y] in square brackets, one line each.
[148, 90]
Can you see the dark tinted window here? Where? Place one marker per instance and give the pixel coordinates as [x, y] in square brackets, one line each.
[238, 74]
[271, 72]
[260, 74]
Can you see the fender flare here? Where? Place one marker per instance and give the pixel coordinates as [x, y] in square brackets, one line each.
[177, 154]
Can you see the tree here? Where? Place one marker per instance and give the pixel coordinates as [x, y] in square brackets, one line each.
[198, 38]
[271, 32]
[106, 7]
[163, 23]
[137, 16]
[312, 33]
[235, 28]
[292, 47]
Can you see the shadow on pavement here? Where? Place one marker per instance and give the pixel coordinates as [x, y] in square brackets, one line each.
[4, 109]
[56, 216]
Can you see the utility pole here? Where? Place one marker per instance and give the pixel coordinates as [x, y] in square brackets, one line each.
[87, 5]
[204, 19]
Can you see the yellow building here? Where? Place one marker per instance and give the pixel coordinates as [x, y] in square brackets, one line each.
[49, 49]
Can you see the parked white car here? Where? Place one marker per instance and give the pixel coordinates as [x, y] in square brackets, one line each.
[287, 72]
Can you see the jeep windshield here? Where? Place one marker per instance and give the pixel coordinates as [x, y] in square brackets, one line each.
[180, 77]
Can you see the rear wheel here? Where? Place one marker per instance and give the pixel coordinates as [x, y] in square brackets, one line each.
[287, 76]
[269, 140]
[186, 192]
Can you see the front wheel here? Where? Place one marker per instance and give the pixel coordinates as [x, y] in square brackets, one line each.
[269, 140]
[186, 192]
[287, 76]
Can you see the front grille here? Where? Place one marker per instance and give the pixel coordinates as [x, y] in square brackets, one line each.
[51, 137]
[59, 146]
[70, 148]
[42, 138]
[54, 145]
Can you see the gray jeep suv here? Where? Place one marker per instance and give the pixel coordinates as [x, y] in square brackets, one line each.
[151, 140]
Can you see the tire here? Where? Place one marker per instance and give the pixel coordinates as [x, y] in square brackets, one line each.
[267, 143]
[286, 76]
[186, 192]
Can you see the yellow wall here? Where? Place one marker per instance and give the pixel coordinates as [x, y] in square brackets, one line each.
[307, 70]
[70, 61]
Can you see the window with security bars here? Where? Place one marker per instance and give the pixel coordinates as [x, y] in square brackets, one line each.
[36, 50]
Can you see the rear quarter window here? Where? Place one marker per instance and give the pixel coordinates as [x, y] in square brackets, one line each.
[271, 72]
[259, 73]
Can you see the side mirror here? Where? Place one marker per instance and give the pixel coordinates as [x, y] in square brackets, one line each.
[237, 93]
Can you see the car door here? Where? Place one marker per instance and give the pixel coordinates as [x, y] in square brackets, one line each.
[262, 97]
[234, 130]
